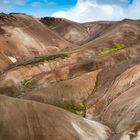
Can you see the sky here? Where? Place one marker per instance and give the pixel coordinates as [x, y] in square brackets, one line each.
[76, 10]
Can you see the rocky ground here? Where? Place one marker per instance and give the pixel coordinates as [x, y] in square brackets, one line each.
[62, 80]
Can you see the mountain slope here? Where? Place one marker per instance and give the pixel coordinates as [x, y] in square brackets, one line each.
[23, 36]
[98, 79]
[73, 32]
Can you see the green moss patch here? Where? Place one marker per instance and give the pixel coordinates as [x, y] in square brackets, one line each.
[26, 84]
[41, 59]
[116, 47]
[78, 109]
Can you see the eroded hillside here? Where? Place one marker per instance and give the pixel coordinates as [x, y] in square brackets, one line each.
[63, 80]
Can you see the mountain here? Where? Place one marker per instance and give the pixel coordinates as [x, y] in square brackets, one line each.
[82, 84]
[23, 36]
[71, 31]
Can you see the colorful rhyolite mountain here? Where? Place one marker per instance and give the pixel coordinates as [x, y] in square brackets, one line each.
[62, 80]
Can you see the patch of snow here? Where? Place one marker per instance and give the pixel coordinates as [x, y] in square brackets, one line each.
[12, 59]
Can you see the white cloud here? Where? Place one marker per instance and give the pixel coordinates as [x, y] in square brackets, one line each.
[90, 10]
[133, 11]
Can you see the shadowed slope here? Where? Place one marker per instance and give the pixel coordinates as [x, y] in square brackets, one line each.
[22, 120]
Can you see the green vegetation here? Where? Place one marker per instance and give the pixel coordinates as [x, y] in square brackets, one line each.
[42, 58]
[78, 109]
[116, 47]
[26, 84]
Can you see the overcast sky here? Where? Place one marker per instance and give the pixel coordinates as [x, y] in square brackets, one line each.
[77, 10]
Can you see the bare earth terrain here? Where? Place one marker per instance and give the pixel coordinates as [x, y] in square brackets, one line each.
[62, 80]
